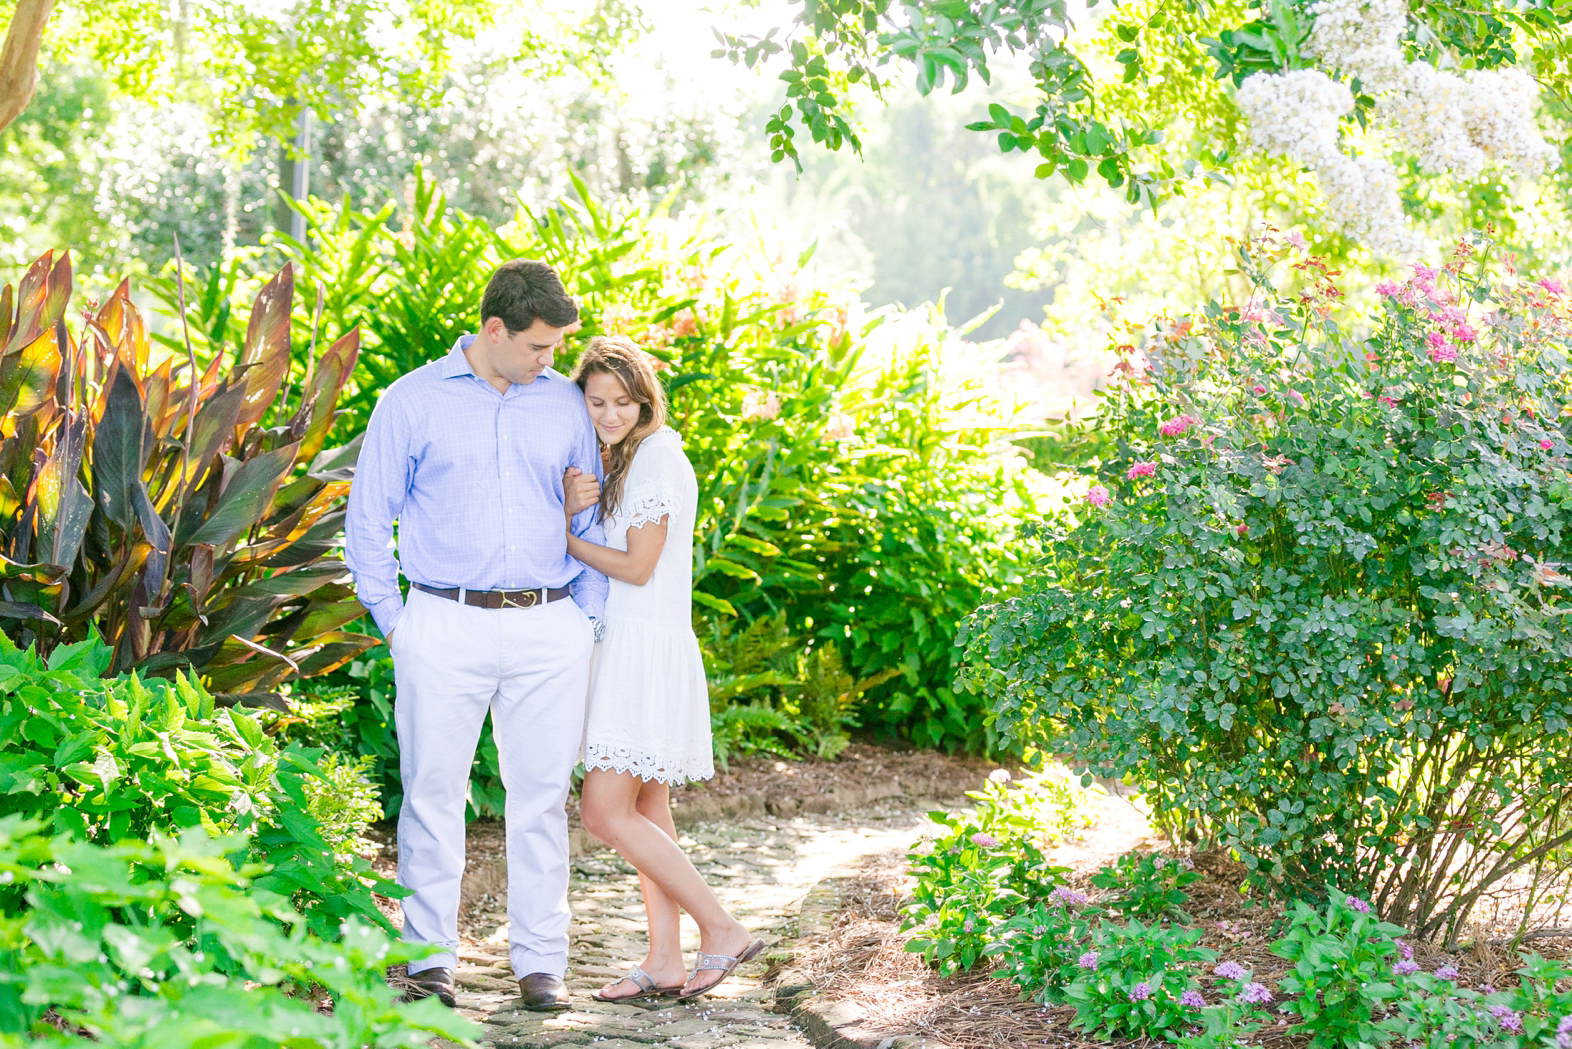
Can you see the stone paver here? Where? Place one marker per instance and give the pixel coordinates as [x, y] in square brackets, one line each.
[760, 867]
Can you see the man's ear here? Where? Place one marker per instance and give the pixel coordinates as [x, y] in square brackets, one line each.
[495, 329]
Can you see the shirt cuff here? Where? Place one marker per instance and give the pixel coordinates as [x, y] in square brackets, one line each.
[387, 613]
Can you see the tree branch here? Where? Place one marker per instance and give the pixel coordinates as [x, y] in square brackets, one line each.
[19, 57]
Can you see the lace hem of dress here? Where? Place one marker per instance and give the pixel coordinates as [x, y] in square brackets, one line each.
[647, 506]
[646, 765]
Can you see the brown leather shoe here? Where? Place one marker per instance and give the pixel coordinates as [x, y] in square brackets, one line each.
[544, 993]
[429, 983]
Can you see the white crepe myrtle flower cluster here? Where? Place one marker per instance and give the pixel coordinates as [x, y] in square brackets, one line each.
[1452, 123]
[1296, 115]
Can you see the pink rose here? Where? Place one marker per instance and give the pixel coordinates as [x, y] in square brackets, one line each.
[1426, 274]
[1097, 495]
[1142, 469]
[1177, 425]
[1547, 444]
[1258, 389]
[1463, 333]
[1436, 340]
[1388, 289]
[1553, 286]
[1296, 396]
[1443, 353]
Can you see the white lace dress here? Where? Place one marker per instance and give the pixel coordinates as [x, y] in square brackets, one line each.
[649, 708]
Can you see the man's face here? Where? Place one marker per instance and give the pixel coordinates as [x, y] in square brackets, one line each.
[523, 356]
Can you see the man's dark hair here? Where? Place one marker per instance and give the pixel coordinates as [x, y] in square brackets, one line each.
[523, 291]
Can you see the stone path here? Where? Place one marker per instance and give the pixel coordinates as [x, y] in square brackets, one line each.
[761, 868]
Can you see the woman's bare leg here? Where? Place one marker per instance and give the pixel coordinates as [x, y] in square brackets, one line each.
[611, 809]
[661, 911]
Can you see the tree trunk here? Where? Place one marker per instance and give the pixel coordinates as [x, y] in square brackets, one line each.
[19, 58]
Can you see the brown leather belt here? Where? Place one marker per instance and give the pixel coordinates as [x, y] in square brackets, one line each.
[496, 598]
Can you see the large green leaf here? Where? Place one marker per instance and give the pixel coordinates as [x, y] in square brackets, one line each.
[246, 496]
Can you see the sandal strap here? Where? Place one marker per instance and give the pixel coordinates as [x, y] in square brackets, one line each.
[714, 962]
[640, 979]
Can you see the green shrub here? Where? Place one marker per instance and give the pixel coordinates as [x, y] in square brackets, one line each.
[165, 943]
[183, 511]
[112, 760]
[973, 878]
[1315, 606]
[1342, 978]
[1134, 979]
[1147, 885]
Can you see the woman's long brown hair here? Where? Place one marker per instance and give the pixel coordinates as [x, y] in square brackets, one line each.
[617, 356]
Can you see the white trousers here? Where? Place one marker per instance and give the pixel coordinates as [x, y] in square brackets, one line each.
[530, 668]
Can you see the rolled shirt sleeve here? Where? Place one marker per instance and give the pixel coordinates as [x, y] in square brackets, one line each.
[376, 500]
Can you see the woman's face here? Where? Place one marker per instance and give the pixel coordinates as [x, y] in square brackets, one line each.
[611, 408]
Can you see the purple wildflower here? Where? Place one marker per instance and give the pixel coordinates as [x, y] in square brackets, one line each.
[1193, 999]
[1486, 988]
[1255, 994]
[985, 841]
[1406, 967]
[1564, 1033]
[1087, 960]
[1064, 896]
[1141, 992]
[1356, 904]
[1231, 971]
[1408, 952]
[1447, 972]
[1509, 1019]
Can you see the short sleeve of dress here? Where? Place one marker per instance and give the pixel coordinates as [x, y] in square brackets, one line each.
[654, 486]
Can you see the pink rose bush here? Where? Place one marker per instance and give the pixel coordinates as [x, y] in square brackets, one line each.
[1305, 572]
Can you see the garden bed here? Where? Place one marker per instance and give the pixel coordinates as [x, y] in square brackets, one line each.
[864, 977]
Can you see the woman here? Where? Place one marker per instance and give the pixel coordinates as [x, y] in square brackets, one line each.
[649, 717]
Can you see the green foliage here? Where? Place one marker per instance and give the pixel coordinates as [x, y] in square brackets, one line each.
[119, 759]
[1321, 621]
[984, 867]
[166, 943]
[1341, 979]
[1135, 95]
[1147, 885]
[838, 491]
[156, 506]
[1138, 974]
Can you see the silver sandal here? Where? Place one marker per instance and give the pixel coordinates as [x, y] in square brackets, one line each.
[722, 963]
[646, 988]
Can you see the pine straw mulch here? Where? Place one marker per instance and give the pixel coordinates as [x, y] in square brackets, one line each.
[862, 959]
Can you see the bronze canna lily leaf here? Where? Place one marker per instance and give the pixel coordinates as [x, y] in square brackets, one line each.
[148, 505]
[118, 451]
[266, 354]
[247, 493]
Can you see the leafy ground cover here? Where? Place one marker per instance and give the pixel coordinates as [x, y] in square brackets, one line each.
[170, 875]
[1071, 970]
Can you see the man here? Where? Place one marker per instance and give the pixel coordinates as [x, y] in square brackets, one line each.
[467, 454]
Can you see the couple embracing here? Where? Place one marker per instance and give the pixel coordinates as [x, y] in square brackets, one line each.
[545, 526]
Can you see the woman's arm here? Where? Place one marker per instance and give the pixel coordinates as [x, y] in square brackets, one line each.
[634, 566]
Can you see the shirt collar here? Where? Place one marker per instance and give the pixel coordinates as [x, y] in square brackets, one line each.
[456, 364]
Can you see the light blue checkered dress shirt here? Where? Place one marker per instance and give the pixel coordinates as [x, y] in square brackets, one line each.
[474, 479]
